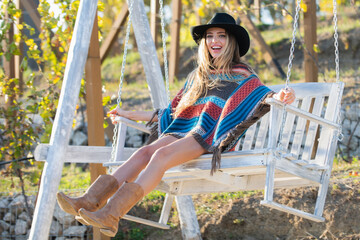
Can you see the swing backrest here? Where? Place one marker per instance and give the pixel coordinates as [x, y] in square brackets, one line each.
[303, 139]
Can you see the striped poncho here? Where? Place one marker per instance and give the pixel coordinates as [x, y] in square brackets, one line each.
[218, 119]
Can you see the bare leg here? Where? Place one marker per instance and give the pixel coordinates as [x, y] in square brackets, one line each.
[130, 170]
[173, 154]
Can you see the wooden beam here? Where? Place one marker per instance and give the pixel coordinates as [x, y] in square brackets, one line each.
[61, 130]
[174, 44]
[31, 9]
[148, 55]
[114, 32]
[268, 54]
[94, 108]
[154, 21]
[310, 56]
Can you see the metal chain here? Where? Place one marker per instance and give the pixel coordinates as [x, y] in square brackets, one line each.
[291, 57]
[337, 68]
[292, 48]
[126, 46]
[163, 34]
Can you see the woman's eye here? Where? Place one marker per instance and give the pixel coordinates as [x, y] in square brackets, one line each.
[223, 36]
[209, 36]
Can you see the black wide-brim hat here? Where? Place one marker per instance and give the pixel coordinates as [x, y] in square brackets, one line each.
[227, 22]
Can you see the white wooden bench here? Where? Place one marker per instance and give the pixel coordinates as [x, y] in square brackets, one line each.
[309, 139]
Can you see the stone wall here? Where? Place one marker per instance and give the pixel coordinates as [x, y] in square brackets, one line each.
[15, 221]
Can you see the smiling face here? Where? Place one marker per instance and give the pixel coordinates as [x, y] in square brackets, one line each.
[216, 39]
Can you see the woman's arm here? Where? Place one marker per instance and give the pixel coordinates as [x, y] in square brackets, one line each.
[133, 115]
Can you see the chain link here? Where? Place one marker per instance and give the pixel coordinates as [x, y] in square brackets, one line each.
[163, 34]
[291, 57]
[126, 46]
[337, 68]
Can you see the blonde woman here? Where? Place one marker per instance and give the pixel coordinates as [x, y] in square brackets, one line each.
[222, 97]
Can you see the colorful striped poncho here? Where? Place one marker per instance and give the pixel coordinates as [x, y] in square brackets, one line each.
[218, 119]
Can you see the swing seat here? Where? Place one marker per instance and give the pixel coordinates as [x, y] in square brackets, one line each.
[308, 141]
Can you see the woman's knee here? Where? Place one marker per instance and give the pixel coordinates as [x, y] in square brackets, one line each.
[160, 158]
[144, 154]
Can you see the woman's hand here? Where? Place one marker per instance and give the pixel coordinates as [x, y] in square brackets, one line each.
[286, 96]
[117, 112]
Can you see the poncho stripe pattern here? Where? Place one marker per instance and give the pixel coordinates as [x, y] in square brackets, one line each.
[214, 116]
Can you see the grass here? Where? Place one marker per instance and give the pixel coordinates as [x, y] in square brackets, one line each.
[73, 178]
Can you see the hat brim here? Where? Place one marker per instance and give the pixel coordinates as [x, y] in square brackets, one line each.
[241, 35]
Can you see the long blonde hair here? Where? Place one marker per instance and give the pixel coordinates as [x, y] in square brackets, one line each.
[198, 81]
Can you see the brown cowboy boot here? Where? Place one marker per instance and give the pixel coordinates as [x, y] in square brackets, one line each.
[93, 199]
[107, 218]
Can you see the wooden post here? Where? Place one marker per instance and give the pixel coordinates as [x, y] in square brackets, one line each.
[114, 32]
[154, 21]
[9, 65]
[9, 68]
[311, 70]
[188, 220]
[268, 54]
[257, 10]
[18, 58]
[196, 11]
[61, 130]
[94, 109]
[174, 44]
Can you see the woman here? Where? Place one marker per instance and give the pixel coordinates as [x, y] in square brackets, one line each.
[222, 97]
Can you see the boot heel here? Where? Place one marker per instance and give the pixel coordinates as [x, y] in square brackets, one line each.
[108, 232]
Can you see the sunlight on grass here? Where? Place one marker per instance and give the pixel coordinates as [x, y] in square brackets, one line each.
[73, 178]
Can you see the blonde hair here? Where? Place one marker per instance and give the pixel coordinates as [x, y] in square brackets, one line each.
[198, 81]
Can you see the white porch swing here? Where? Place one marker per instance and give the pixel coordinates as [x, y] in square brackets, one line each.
[297, 152]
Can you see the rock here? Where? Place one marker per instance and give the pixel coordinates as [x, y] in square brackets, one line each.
[17, 205]
[20, 227]
[60, 238]
[79, 122]
[36, 119]
[75, 231]
[4, 225]
[63, 217]
[12, 229]
[353, 112]
[353, 144]
[9, 217]
[3, 205]
[55, 228]
[79, 138]
[5, 235]
[136, 141]
[24, 216]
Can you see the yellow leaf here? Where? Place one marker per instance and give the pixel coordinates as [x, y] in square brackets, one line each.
[29, 41]
[17, 14]
[303, 7]
[316, 48]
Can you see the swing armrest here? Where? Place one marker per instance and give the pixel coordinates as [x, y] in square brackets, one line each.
[301, 113]
[133, 124]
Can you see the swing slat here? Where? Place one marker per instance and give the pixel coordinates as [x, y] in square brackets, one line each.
[312, 129]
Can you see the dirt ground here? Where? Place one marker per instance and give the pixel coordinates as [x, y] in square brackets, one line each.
[244, 218]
